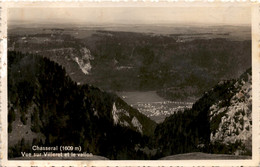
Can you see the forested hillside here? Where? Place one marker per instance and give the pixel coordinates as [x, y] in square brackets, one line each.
[46, 107]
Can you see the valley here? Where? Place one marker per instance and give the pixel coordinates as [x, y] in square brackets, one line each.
[167, 90]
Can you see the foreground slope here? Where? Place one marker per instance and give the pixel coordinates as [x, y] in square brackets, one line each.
[203, 156]
[231, 123]
[219, 122]
[45, 107]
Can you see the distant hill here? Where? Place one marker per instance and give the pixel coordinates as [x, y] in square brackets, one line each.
[45, 107]
[179, 65]
[219, 122]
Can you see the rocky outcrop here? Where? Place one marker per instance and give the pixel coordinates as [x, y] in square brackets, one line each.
[232, 123]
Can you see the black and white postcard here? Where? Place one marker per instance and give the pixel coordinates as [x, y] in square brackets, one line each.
[130, 84]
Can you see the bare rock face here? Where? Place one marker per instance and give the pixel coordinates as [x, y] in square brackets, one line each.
[124, 118]
[84, 60]
[137, 124]
[232, 123]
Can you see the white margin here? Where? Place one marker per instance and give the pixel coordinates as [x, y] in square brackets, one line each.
[125, 3]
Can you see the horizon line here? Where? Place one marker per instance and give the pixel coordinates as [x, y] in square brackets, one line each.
[25, 23]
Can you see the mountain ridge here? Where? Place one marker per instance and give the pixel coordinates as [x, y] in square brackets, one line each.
[219, 122]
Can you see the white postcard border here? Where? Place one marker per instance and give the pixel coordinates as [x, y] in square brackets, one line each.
[255, 86]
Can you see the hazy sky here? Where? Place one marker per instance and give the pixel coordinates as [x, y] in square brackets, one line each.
[132, 15]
